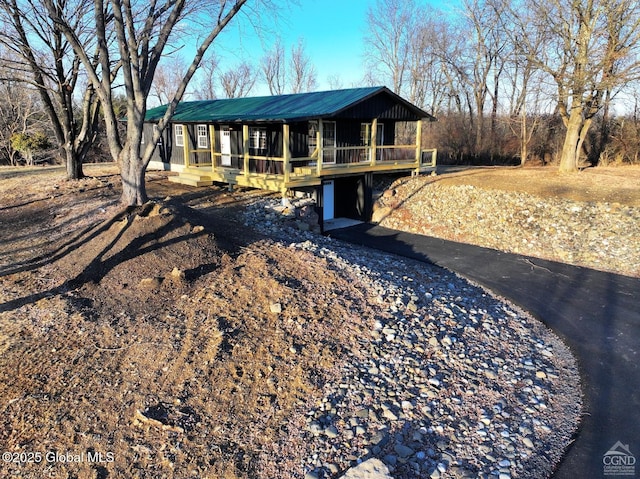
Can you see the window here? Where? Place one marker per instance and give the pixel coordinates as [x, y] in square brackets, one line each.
[313, 138]
[258, 138]
[380, 134]
[365, 134]
[203, 136]
[329, 142]
[179, 135]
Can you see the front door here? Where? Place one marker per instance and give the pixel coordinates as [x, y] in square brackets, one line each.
[225, 146]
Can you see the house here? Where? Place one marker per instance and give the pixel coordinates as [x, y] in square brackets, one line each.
[328, 144]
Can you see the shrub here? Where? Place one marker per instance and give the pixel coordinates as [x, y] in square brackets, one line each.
[28, 144]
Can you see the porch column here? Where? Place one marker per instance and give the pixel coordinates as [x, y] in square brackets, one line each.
[245, 148]
[419, 143]
[374, 141]
[320, 146]
[185, 148]
[212, 144]
[286, 152]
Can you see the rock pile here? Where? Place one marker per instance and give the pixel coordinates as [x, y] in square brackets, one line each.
[272, 216]
[449, 381]
[597, 235]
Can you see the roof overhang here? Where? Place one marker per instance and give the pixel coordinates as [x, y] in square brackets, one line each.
[282, 108]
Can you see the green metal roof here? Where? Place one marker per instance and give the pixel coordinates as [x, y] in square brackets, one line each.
[283, 108]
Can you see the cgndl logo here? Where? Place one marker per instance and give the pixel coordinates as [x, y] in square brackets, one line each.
[619, 461]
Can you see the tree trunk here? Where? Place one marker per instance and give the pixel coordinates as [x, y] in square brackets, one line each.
[524, 143]
[74, 164]
[572, 144]
[605, 131]
[478, 136]
[577, 129]
[132, 171]
[569, 157]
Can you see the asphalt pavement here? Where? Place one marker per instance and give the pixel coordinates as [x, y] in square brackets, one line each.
[597, 314]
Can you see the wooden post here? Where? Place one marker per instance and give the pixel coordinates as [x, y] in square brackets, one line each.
[186, 149]
[320, 146]
[212, 144]
[245, 148]
[374, 141]
[286, 152]
[419, 143]
[368, 196]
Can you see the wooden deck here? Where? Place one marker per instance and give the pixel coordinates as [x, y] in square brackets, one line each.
[298, 176]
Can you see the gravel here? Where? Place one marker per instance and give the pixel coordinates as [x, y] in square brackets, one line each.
[449, 381]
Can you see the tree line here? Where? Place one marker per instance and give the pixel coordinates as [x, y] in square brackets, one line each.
[281, 69]
[553, 80]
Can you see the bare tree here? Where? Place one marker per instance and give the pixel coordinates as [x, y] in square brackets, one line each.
[143, 30]
[590, 48]
[408, 48]
[238, 81]
[335, 82]
[302, 72]
[426, 77]
[420, 65]
[273, 68]
[479, 64]
[41, 56]
[388, 41]
[295, 74]
[448, 47]
[524, 118]
[523, 84]
[208, 72]
[167, 78]
[424, 57]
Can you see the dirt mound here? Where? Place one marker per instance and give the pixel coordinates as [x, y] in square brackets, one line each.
[158, 350]
[141, 258]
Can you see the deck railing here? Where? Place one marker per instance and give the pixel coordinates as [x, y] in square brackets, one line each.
[428, 158]
[404, 153]
[345, 155]
[326, 159]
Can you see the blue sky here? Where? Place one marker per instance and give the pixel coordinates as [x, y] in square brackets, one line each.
[332, 31]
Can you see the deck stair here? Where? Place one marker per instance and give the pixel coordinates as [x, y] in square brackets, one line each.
[193, 177]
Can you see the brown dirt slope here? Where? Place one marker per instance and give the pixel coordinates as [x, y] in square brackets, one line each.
[150, 343]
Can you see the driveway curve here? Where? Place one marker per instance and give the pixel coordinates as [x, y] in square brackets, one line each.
[596, 314]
